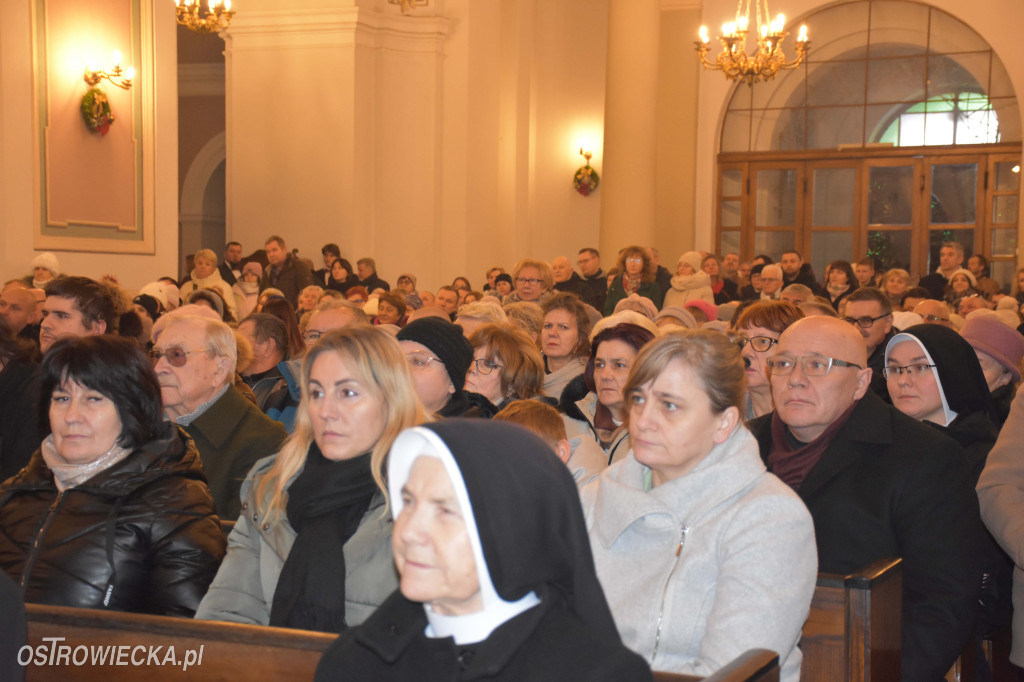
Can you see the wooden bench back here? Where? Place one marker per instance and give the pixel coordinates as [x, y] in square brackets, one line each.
[853, 630]
[229, 651]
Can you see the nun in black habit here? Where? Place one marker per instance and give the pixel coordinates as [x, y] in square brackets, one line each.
[497, 580]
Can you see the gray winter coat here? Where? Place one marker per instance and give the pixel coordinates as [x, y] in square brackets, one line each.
[705, 566]
[243, 590]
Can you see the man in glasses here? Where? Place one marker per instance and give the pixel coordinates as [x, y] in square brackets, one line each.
[878, 484]
[869, 311]
[439, 357]
[194, 358]
[934, 312]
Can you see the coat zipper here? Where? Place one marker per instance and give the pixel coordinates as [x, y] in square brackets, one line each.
[683, 530]
[34, 552]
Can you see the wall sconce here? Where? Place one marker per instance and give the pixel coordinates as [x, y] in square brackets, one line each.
[217, 18]
[122, 78]
[586, 179]
[408, 5]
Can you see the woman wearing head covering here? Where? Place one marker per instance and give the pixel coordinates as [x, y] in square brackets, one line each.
[311, 549]
[1000, 349]
[702, 554]
[690, 282]
[600, 414]
[497, 580]
[112, 511]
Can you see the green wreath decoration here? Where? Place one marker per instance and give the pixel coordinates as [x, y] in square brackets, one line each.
[586, 180]
[96, 111]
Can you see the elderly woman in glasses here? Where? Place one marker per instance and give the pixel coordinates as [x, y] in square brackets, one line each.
[702, 553]
[758, 329]
[506, 365]
[113, 510]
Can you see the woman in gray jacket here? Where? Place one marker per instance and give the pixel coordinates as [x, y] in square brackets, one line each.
[719, 554]
[314, 512]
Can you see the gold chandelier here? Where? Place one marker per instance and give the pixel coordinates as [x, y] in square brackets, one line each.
[217, 17]
[769, 58]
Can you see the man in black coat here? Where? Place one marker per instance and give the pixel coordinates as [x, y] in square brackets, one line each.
[285, 271]
[366, 268]
[595, 281]
[878, 484]
[231, 267]
[870, 313]
[951, 259]
[796, 271]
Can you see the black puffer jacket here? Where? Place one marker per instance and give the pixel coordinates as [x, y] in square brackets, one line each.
[140, 536]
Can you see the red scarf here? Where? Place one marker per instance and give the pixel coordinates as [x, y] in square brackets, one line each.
[793, 464]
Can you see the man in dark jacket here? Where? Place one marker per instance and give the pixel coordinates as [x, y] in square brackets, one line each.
[366, 268]
[330, 253]
[594, 279]
[951, 259]
[229, 431]
[231, 267]
[870, 313]
[285, 271]
[566, 278]
[796, 271]
[878, 484]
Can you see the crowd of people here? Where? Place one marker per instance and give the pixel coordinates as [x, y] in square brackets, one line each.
[564, 474]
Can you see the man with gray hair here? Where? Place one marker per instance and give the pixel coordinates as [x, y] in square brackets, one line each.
[195, 364]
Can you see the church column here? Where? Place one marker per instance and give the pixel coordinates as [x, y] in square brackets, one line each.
[630, 126]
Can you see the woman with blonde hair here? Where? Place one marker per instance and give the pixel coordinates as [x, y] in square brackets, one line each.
[895, 285]
[638, 277]
[314, 511]
[205, 275]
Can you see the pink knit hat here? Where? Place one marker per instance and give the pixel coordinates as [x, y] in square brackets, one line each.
[709, 309]
[995, 338]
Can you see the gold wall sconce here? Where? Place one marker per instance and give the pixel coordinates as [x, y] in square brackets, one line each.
[408, 5]
[121, 77]
[586, 179]
[217, 17]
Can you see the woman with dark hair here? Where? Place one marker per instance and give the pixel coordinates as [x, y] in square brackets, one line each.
[342, 276]
[723, 288]
[113, 510]
[497, 580]
[19, 395]
[564, 341]
[840, 282]
[506, 364]
[391, 308]
[283, 310]
[601, 413]
[702, 554]
[638, 275]
[758, 329]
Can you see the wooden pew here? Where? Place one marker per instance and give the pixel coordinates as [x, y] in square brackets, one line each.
[229, 651]
[756, 665]
[853, 630]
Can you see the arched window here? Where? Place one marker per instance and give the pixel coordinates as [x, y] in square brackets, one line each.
[900, 108]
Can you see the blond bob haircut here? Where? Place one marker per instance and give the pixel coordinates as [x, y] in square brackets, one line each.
[713, 358]
[482, 311]
[376, 359]
[542, 267]
[207, 255]
[526, 315]
[522, 368]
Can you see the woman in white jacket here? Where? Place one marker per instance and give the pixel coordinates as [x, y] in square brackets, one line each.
[205, 275]
[702, 554]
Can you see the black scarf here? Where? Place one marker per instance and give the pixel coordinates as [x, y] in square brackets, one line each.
[326, 502]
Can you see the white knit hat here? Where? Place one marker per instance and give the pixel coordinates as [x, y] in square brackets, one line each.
[47, 260]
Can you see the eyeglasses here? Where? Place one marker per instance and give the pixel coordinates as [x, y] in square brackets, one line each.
[485, 367]
[758, 343]
[910, 370]
[864, 322]
[176, 357]
[935, 318]
[419, 359]
[812, 365]
[634, 259]
[312, 335]
[528, 280]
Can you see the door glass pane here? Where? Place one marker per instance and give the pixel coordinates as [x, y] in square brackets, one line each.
[776, 198]
[890, 195]
[829, 246]
[1007, 180]
[732, 183]
[936, 238]
[773, 243]
[890, 248]
[730, 242]
[954, 188]
[834, 197]
[1004, 241]
[1004, 209]
[731, 213]
[1003, 272]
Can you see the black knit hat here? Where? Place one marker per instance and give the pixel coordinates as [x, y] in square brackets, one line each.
[503, 277]
[151, 305]
[446, 341]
